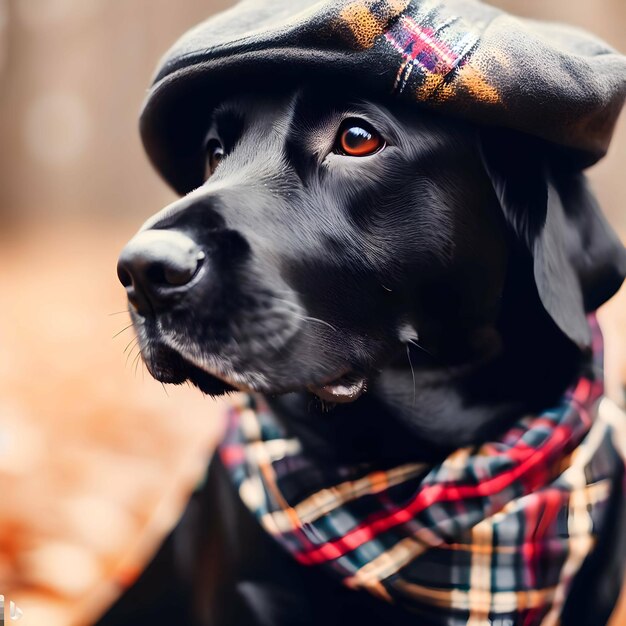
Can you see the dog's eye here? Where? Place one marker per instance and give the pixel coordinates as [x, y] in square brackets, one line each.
[358, 138]
[214, 155]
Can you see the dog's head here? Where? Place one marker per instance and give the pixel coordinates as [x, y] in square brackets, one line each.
[331, 236]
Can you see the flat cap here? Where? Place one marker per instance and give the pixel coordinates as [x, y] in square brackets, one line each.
[460, 57]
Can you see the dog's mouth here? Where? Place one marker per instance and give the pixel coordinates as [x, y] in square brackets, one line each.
[168, 366]
[346, 388]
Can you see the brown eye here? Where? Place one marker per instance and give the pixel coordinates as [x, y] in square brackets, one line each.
[357, 138]
[215, 154]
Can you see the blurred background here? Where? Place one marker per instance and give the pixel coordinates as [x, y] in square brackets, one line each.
[96, 459]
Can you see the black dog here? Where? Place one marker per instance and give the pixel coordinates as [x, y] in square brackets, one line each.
[397, 286]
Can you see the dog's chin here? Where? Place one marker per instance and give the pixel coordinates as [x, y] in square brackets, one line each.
[170, 367]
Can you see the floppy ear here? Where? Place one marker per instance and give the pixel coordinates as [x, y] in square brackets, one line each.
[578, 261]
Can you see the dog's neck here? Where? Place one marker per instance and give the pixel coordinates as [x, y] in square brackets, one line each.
[423, 415]
[417, 409]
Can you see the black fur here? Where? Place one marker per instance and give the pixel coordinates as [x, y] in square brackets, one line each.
[452, 270]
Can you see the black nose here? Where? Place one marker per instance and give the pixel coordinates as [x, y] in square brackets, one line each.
[156, 267]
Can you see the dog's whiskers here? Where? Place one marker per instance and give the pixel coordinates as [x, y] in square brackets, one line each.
[131, 354]
[305, 318]
[417, 345]
[308, 318]
[119, 313]
[123, 330]
[408, 354]
[133, 340]
[136, 363]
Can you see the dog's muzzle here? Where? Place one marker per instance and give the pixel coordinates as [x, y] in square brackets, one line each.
[157, 268]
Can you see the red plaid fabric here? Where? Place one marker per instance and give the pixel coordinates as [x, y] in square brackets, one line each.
[494, 532]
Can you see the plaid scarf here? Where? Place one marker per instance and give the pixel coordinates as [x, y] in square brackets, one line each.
[492, 535]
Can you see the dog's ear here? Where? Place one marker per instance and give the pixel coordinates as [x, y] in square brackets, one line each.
[578, 260]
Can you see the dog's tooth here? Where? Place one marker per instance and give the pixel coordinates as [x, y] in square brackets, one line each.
[340, 392]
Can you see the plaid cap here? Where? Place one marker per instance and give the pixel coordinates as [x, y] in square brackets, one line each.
[459, 57]
[494, 532]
